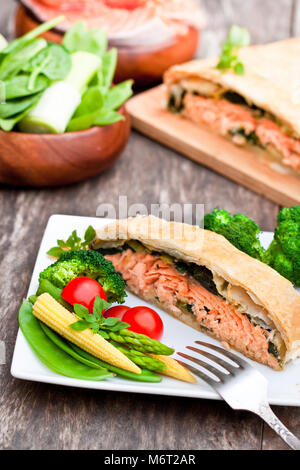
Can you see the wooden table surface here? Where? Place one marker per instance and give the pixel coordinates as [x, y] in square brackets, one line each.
[41, 416]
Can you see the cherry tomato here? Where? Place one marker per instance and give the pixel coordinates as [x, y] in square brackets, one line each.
[83, 290]
[144, 320]
[126, 4]
[118, 311]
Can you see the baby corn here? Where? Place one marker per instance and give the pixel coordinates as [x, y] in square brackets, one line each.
[54, 315]
[174, 369]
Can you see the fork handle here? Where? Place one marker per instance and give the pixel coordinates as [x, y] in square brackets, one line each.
[271, 419]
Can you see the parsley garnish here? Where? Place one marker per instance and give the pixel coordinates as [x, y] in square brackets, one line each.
[237, 37]
[96, 320]
[74, 242]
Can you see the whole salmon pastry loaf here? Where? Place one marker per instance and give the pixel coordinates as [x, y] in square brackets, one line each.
[200, 278]
[260, 108]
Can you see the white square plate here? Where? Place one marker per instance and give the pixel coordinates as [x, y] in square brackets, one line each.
[284, 387]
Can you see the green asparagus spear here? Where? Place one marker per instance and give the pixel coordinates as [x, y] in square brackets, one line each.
[145, 376]
[140, 342]
[141, 359]
[113, 328]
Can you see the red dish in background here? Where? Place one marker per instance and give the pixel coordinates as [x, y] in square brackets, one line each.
[147, 44]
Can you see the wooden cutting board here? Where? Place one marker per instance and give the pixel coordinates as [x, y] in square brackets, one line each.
[246, 167]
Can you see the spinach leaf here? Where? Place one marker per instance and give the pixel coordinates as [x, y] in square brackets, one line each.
[117, 95]
[79, 38]
[17, 87]
[14, 62]
[104, 118]
[109, 64]
[53, 61]
[8, 124]
[13, 107]
[96, 118]
[21, 42]
[82, 122]
[92, 100]
[97, 108]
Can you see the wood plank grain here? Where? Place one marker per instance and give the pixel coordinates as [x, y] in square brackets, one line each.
[40, 416]
[291, 418]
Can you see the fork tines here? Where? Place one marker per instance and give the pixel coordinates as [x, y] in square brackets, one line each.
[227, 365]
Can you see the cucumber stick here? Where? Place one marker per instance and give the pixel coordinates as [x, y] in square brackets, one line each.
[58, 103]
[3, 42]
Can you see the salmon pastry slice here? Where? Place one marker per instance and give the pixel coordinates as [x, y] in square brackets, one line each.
[200, 278]
[256, 109]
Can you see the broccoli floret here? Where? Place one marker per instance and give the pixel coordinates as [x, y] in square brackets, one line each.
[284, 252]
[292, 214]
[216, 220]
[92, 264]
[239, 229]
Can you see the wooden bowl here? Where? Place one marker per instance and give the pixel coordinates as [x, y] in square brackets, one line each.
[145, 65]
[53, 160]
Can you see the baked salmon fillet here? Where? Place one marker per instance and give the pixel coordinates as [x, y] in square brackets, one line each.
[204, 281]
[259, 109]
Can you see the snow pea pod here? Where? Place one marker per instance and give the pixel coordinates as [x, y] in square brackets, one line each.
[49, 354]
[91, 361]
[145, 376]
[64, 345]
[55, 292]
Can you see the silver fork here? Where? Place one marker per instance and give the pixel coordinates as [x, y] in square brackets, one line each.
[241, 386]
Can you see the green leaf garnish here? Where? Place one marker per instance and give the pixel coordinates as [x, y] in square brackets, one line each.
[56, 251]
[80, 325]
[81, 311]
[237, 37]
[74, 242]
[96, 320]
